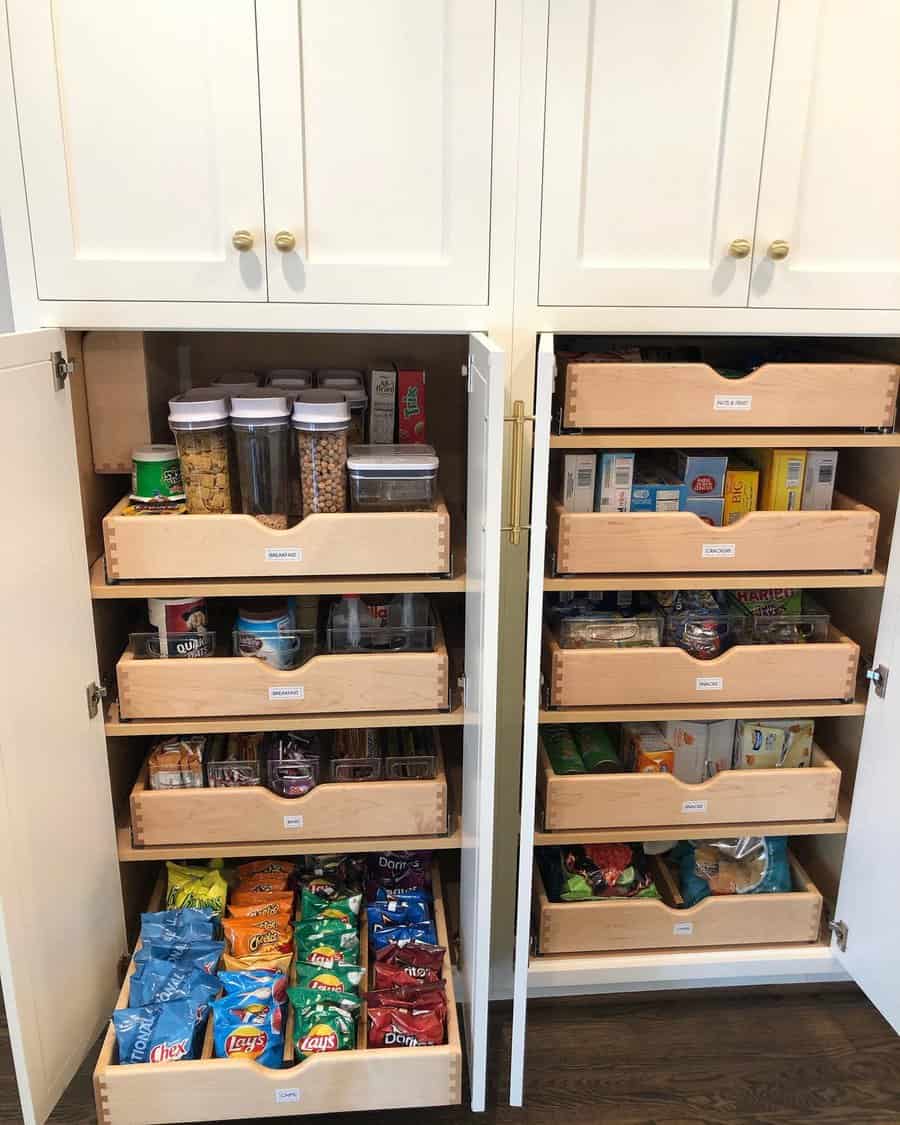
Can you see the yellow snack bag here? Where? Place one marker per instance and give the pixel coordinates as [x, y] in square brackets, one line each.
[195, 887]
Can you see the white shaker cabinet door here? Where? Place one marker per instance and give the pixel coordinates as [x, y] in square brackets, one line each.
[831, 174]
[139, 127]
[654, 127]
[376, 124]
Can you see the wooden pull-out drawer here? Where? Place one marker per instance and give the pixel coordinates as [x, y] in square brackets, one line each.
[695, 396]
[649, 800]
[601, 926]
[680, 542]
[622, 676]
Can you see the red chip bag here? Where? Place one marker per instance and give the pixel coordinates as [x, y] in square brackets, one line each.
[390, 1027]
[390, 976]
[411, 998]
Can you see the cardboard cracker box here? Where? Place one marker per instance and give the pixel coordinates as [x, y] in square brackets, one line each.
[382, 387]
[780, 478]
[615, 475]
[411, 417]
[818, 480]
[579, 471]
[741, 493]
[708, 508]
[703, 473]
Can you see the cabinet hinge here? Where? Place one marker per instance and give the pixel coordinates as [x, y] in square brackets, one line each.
[62, 369]
[879, 677]
[95, 694]
[467, 375]
[841, 933]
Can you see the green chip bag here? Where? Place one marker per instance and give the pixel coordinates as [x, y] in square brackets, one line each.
[313, 908]
[303, 998]
[327, 943]
[329, 978]
[320, 1028]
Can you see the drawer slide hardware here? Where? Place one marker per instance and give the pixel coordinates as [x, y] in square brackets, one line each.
[841, 933]
[62, 369]
[879, 677]
[95, 694]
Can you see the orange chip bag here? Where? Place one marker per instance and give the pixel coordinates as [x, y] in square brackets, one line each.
[269, 909]
[240, 897]
[263, 884]
[247, 937]
[279, 962]
[264, 867]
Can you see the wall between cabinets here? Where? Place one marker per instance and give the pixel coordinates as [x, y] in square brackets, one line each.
[6, 317]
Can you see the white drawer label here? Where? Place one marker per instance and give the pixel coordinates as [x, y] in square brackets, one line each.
[683, 929]
[276, 694]
[733, 402]
[710, 683]
[297, 821]
[287, 1095]
[718, 551]
[686, 807]
[284, 554]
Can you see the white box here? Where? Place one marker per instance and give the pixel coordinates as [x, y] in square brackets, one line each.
[579, 471]
[818, 481]
[615, 476]
[690, 741]
[382, 403]
[720, 747]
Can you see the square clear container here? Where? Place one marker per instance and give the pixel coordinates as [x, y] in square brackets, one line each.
[284, 649]
[410, 626]
[237, 764]
[176, 646]
[410, 754]
[706, 634]
[392, 478]
[356, 755]
[610, 630]
[807, 627]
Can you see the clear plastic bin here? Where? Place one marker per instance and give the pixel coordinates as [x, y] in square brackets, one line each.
[177, 646]
[806, 627]
[284, 649]
[610, 630]
[410, 754]
[404, 623]
[236, 764]
[392, 478]
[356, 755]
[702, 622]
[293, 762]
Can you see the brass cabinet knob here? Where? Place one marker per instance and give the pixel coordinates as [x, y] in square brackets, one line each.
[285, 241]
[739, 247]
[242, 240]
[779, 250]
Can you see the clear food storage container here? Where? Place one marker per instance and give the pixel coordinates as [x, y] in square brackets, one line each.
[201, 431]
[356, 755]
[392, 478]
[805, 627]
[403, 623]
[293, 762]
[610, 630]
[321, 419]
[236, 381]
[237, 763]
[702, 622]
[409, 754]
[289, 380]
[351, 385]
[262, 436]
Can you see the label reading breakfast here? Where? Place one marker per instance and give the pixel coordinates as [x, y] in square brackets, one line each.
[683, 929]
[710, 683]
[733, 402]
[276, 694]
[717, 551]
[297, 821]
[290, 1094]
[284, 554]
[690, 807]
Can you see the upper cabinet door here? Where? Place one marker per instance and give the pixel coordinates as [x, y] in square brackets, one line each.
[831, 174]
[376, 126]
[654, 129]
[139, 127]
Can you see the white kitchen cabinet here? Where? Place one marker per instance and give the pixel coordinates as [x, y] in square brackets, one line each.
[140, 137]
[831, 171]
[376, 124]
[655, 114]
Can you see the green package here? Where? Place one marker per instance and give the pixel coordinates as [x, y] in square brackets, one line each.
[334, 978]
[327, 943]
[319, 1028]
[597, 749]
[561, 750]
[313, 908]
[302, 998]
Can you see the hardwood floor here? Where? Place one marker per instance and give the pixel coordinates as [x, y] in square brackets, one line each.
[753, 1058]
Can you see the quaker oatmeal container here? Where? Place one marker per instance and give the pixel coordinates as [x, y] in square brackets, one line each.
[262, 436]
[321, 421]
[200, 426]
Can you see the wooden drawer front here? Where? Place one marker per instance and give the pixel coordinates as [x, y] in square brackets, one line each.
[633, 924]
[680, 542]
[211, 1089]
[651, 800]
[328, 684]
[620, 676]
[239, 546]
[695, 396]
[355, 810]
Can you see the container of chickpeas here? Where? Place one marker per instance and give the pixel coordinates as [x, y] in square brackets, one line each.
[200, 426]
[321, 421]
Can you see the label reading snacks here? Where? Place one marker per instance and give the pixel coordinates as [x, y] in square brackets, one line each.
[732, 402]
[717, 551]
[683, 929]
[287, 691]
[288, 1095]
[296, 821]
[710, 683]
[694, 806]
[284, 554]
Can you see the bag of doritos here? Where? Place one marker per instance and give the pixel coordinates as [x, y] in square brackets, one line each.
[393, 1027]
[161, 982]
[249, 1025]
[394, 913]
[157, 1033]
[382, 936]
[202, 955]
[400, 871]
[168, 926]
[334, 978]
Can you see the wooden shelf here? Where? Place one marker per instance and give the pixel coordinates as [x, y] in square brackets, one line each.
[121, 728]
[725, 439]
[802, 580]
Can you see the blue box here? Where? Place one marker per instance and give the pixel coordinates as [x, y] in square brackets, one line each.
[709, 508]
[656, 490]
[702, 473]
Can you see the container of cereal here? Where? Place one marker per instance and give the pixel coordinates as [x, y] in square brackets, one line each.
[262, 436]
[321, 419]
[289, 380]
[351, 385]
[392, 478]
[201, 427]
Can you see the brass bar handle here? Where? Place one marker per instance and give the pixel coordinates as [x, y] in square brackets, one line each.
[518, 418]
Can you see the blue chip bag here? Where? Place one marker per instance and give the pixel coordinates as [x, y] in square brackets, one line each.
[249, 1025]
[415, 894]
[156, 981]
[751, 865]
[203, 955]
[395, 912]
[384, 935]
[169, 926]
[157, 1033]
[250, 980]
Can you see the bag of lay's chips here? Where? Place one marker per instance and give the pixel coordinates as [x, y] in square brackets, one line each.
[309, 997]
[262, 910]
[320, 1028]
[334, 978]
[327, 943]
[202, 955]
[249, 937]
[256, 867]
[279, 962]
[157, 1033]
[196, 887]
[249, 980]
[249, 1025]
[161, 982]
[178, 925]
[344, 909]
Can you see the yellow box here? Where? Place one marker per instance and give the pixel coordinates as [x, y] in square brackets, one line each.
[741, 493]
[781, 478]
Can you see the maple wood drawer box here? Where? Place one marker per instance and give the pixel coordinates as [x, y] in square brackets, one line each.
[658, 800]
[246, 814]
[616, 395]
[239, 546]
[616, 925]
[329, 683]
[602, 677]
[843, 538]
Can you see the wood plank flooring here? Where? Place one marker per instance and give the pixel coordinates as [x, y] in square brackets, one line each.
[725, 1058]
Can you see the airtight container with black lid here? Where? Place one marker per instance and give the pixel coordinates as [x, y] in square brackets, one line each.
[392, 478]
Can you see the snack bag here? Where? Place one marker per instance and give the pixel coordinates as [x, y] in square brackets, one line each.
[249, 1025]
[274, 962]
[344, 909]
[156, 1033]
[393, 1027]
[161, 982]
[381, 936]
[388, 976]
[327, 943]
[302, 997]
[242, 898]
[752, 865]
[321, 1027]
[249, 937]
[263, 884]
[281, 910]
[401, 871]
[178, 925]
[247, 871]
[335, 978]
[410, 996]
[200, 888]
[201, 955]
[416, 961]
[252, 980]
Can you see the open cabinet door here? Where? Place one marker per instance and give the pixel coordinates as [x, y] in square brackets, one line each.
[871, 917]
[483, 521]
[546, 371]
[61, 922]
